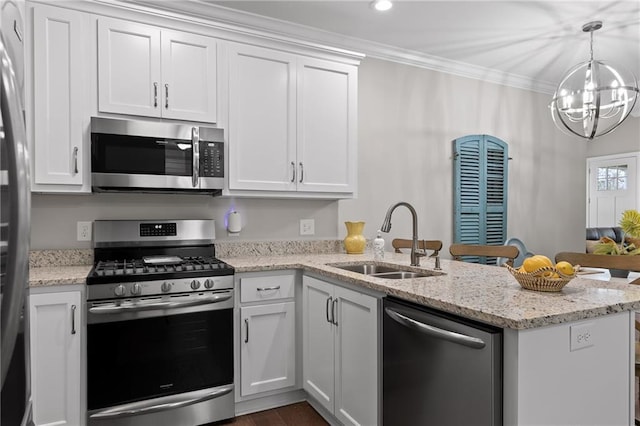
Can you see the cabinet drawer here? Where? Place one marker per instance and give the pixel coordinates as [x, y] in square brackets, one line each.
[256, 289]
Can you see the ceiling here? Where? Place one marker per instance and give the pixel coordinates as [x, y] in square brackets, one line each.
[535, 41]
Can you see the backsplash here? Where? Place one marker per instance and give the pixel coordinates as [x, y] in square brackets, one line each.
[71, 257]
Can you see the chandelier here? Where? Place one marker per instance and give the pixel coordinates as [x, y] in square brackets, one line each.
[593, 98]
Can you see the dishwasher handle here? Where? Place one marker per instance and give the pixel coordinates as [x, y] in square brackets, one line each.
[462, 339]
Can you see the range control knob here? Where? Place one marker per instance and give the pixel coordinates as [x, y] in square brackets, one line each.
[195, 284]
[166, 287]
[209, 283]
[120, 290]
[136, 289]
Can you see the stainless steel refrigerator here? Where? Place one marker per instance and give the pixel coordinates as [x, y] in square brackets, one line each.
[15, 215]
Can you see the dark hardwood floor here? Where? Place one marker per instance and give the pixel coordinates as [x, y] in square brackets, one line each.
[299, 414]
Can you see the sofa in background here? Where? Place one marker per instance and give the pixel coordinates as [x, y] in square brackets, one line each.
[613, 232]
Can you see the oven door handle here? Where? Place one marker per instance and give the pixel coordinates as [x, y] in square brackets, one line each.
[160, 404]
[112, 308]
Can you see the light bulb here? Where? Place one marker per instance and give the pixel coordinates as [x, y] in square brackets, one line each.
[382, 5]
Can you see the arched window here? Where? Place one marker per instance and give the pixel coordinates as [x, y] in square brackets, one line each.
[480, 190]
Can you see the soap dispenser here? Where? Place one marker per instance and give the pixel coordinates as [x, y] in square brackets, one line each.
[378, 247]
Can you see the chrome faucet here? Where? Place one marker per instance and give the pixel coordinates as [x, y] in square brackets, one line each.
[386, 227]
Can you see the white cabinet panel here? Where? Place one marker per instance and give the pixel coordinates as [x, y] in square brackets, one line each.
[54, 335]
[356, 368]
[327, 123]
[268, 350]
[58, 83]
[340, 350]
[266, 288]
[153, 72]
[128, 68]
[189, 76]
[262, 146]
[292, 123]
[318, 344]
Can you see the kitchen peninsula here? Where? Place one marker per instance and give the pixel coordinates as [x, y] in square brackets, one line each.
[544, 381]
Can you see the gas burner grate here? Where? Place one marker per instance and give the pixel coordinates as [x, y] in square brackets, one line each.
[138, 267]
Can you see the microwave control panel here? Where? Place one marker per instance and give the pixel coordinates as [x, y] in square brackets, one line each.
[211, 159]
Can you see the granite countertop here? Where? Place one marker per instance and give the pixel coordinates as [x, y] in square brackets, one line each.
[484, 293]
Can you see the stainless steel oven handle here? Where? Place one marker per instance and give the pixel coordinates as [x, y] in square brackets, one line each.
[462, 339]
[167, 403]
[116, 309]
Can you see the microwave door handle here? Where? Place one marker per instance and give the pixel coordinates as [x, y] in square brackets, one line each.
[195, 139]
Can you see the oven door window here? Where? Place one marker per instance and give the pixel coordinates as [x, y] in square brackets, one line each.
[141, 155]
[146, 358]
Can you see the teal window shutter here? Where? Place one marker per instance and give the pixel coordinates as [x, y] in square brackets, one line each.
[480, 190]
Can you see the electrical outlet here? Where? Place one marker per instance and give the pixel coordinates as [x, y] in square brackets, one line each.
[582, 336]
[307, 227]
[84, 231]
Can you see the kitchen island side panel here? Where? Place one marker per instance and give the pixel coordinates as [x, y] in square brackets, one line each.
[547, 383]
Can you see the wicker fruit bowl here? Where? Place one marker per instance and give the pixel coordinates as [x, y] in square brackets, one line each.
[537, 280]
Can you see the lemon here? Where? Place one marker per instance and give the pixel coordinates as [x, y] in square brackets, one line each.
[565, 268]
[536, 262]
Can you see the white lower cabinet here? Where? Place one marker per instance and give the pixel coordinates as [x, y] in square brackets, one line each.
[340, 350]
[267, 333]
[55, 346]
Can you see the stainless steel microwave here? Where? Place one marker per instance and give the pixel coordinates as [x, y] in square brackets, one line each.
[130, 155]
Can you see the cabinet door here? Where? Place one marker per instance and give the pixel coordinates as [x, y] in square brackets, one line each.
[54, 336]
[262, 145]
[128, 68]
[327, 126]
[58, 109]
[356, 358]
[267, 348]
[318, 341]
[188, 76]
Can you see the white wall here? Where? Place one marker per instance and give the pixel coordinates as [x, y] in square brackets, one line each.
[408, 117]
[54, 217]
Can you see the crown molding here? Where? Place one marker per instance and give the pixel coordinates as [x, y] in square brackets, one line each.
[264, 27]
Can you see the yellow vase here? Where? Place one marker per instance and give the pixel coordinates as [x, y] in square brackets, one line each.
[354, 242]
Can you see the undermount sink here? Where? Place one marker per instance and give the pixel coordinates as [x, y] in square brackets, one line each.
[388, 272]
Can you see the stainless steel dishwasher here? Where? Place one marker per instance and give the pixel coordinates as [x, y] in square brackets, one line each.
[439, 369]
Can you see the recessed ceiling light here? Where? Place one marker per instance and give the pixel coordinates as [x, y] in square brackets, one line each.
[381, 5]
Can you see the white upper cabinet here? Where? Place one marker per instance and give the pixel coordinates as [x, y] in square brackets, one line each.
[327, 124]
[292, 123]
[262, 124]
[148, 71]
[56, 119]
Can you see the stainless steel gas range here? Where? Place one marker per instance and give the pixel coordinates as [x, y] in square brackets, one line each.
[159, 325]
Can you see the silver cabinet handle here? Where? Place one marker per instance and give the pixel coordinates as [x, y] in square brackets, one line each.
[329, 299]
[195, 140]
[275, 287]
[19, 208]
[246, 326]
[293, 172]
[452, 336]
[155, 94]
[334, 320]
[75, 160]
[16, 29]
[301, 172]
[166, 96]
[163, 403]
[73, 319]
